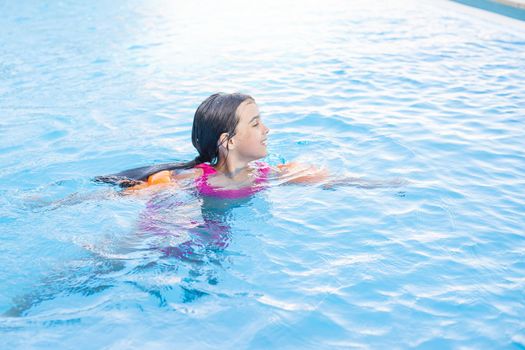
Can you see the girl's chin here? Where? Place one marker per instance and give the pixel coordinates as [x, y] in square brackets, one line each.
[262, 155]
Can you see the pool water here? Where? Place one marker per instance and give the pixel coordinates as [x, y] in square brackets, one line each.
[429, 92]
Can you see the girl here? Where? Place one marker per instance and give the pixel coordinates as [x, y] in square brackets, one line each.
[229, 136]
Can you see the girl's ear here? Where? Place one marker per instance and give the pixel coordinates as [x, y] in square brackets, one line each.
[231, 143]
[225, 142]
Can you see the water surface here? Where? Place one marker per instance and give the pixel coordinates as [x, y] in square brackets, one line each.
[431, 92]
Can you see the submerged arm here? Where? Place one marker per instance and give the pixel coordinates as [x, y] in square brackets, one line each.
[294, 172]
[364, 183]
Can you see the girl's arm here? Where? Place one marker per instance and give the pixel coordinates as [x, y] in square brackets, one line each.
[294, 172]
[364, 183]
[163, 179]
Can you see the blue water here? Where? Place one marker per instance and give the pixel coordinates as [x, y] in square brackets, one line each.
[429, 92]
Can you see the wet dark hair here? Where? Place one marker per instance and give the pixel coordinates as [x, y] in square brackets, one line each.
[215, 115]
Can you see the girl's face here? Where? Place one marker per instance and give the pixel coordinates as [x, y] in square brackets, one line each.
[250, 134]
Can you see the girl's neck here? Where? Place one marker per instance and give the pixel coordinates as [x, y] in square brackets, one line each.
[232, 168]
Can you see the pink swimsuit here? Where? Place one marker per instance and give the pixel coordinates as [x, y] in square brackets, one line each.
[205, 189]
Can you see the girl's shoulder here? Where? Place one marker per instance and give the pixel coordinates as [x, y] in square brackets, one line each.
[167, 176]
[185, 174]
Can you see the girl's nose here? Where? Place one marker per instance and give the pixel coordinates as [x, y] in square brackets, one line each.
[266, 130]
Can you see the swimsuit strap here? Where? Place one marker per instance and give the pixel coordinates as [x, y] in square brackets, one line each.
[207, 169]
[202, 181]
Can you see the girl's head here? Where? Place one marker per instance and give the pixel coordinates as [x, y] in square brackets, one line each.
[228, 125]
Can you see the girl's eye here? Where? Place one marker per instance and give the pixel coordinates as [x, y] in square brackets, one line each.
[256, 124]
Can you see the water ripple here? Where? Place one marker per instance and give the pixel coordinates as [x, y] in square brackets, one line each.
[431, 93]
